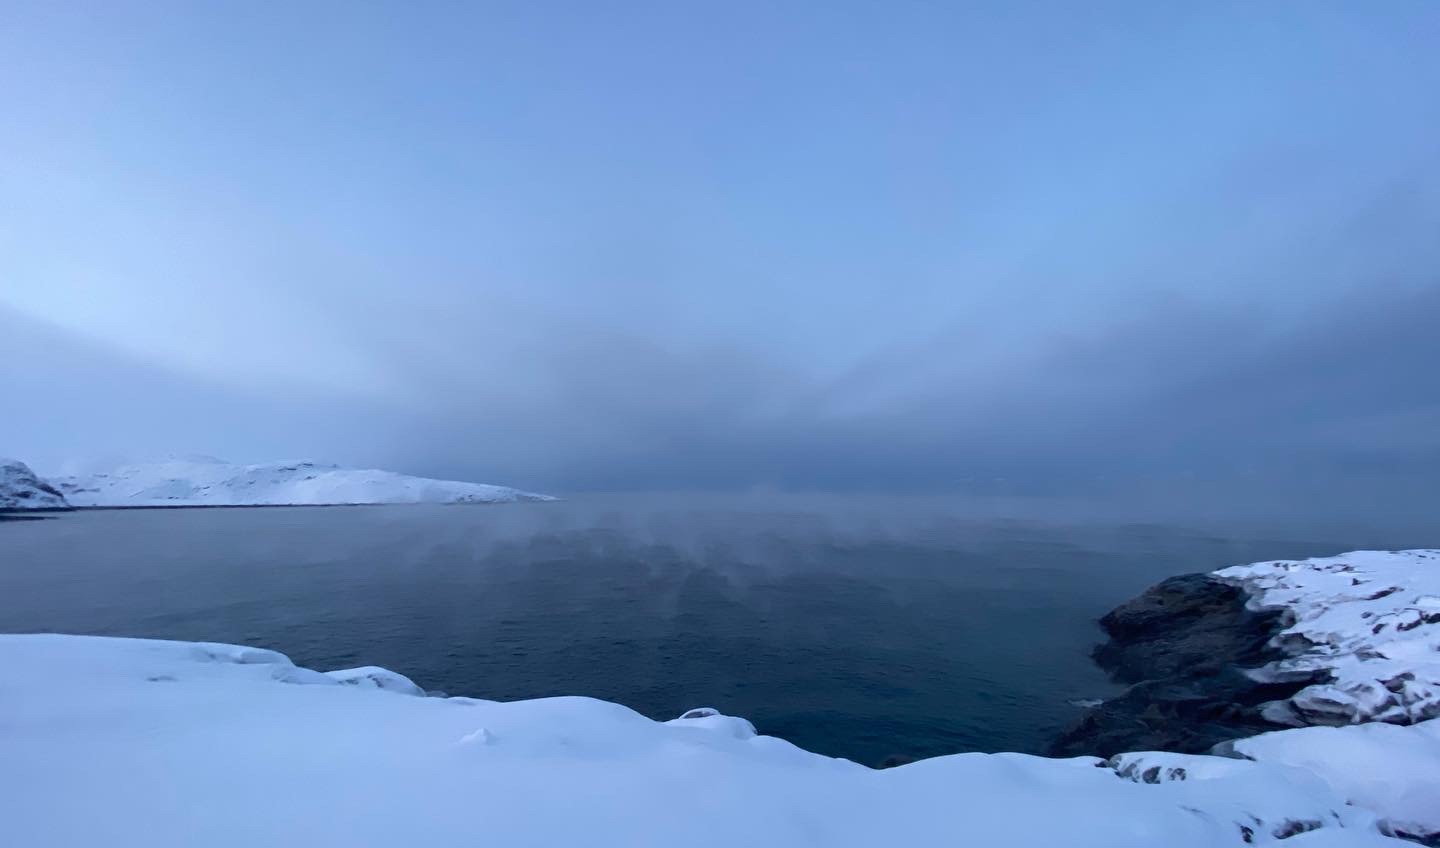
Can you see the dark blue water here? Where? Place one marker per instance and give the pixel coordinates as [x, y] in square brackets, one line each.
[858, 629]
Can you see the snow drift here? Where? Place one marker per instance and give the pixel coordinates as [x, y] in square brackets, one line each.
[130, 743]
[212, 482]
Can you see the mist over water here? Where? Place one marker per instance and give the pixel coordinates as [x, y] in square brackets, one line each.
[862, 627]
[869, 352]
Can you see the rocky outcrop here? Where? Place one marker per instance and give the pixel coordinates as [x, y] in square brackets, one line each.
[1335, 641]
[1184, 644]
[1193, 624]
[21, 489]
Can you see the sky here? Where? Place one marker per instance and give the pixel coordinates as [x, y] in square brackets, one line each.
[844, 246]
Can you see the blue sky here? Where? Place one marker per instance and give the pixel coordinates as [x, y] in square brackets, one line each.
[580, 244]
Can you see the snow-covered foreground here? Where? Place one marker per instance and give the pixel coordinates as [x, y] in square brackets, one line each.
[211, 482]
[131, 743]
[21, 489]
[1367, 620]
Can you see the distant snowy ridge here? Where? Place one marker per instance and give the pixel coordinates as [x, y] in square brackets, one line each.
[21, 489]
[211, 482]
[1367, 623]
[130, 743]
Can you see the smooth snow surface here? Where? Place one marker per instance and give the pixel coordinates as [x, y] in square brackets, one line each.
[212, 482]
[21, 489]
[1368, 621]
[143, 744]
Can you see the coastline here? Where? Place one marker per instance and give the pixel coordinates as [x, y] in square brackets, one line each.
[131, 741]
[161, 743]
[1183, 646]
[1212, 658]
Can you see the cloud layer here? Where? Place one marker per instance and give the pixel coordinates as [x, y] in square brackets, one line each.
[917, 249]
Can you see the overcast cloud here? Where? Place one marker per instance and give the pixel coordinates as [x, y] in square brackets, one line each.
[889, 247]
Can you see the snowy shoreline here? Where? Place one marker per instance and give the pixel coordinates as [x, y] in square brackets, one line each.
[208, 482]
[1253, 648]
[131, 742]
[360, 504]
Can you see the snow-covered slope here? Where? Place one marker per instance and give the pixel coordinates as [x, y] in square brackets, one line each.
[1390, 769]
[211, 482]
[21, 489]
[1368, 621]
[129, 743]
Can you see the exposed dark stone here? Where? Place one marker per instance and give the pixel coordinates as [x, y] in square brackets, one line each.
[1187, 626]
[896, 760]
[1182, 644]
[1430, 839]
[1292, 828]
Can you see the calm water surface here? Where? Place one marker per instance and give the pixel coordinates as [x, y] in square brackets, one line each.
[858, 629]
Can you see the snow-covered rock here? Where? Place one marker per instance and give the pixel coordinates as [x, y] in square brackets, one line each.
[711, 719]
[1393, 771]
[1260, 800]
[131, 743]
[374, 677]
[212, 482]
[1367, 622]
[21, 489]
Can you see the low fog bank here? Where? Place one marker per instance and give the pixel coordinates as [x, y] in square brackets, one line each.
[1178, 407]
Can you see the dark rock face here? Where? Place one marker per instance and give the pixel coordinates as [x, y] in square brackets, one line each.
[1187, 626]
[1183, 644]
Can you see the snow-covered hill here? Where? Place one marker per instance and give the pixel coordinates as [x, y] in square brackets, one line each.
[21, 489]
[131, 743]
[212, 482]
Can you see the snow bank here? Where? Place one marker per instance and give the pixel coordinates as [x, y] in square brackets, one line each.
[212, 482]
[1367, 623]
[374, 677]
[131, 743]
[1260, 800]
[21, 489]
[1393, 771]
